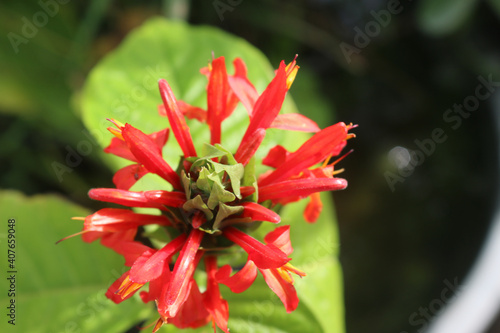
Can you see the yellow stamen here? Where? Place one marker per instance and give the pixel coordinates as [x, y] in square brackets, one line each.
[78, 233]
[325, 163]
[159, 323]
[336, 172]
[291, 71]
[294, 269]
[127, 287]
[116, 132]
[116, 123]
[285, 274]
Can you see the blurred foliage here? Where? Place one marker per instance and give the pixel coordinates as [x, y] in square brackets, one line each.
[397, 248]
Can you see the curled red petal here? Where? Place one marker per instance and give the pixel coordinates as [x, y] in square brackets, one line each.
[280, 237]
[276, 156]
[241, 280]
[131, 251]
[120, 148]
[313, 208]
[192, 112]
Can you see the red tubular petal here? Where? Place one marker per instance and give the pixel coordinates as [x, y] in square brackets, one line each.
[212, 299]
[313, 208]
[295, 122]
[217, 98]
[147, 153]
[122, 197]
[327, 142]
[128, 176]
[300, 187]
[266, 109]
[280, 237]
[150, 267]
[170, 199]
[268, 105]
[177, 291]
[264, 256]
[247, 150]
[115, 219]
[283, 289]
[176, 119]
[241, 280]
[259, 213]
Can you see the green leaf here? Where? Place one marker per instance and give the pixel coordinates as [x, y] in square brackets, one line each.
[123, 86]
[443, 17]
[60, 287]
[197, 203]
[235, 173]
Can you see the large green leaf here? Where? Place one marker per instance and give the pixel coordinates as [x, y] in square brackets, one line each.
[443, 17]
[123, 86]
[59, 288]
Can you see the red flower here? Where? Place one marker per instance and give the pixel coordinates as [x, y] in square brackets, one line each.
[277, 277]
[212, 205]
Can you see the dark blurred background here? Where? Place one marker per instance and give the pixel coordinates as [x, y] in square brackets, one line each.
[415, 212]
